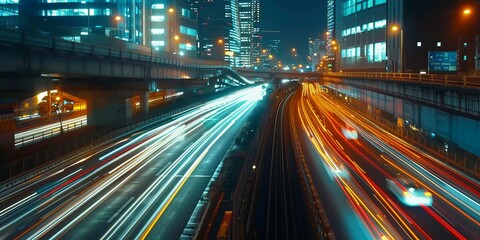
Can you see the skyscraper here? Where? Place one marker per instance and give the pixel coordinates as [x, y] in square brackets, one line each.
[256, 38]
[270, 54]
[249, 11]
[316, 49]
[330, 34]
[360, 31]
[245, 9]
[219, 30]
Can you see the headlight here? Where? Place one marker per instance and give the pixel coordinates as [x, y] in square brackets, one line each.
[407, 194]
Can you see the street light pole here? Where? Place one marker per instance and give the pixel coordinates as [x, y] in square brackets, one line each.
[222, 49]
[401, 51]
[171, 23]
[467, 16]
[59, 111]
[399, 63]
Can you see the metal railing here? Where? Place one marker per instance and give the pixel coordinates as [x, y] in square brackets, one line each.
[41, 33]
[54, 131]
[110, 47]
[437, 79]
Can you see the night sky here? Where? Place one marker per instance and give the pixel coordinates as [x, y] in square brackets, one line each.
[297, 20]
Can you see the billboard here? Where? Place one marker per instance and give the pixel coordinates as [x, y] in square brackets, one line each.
[442, 61]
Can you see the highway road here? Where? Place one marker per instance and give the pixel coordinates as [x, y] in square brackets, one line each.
[351, 159]
[142, 186]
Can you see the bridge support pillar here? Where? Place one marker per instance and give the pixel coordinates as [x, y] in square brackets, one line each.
[7, 133]
[106, 107]
[144, 102]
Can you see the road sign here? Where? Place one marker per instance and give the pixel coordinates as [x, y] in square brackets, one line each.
[442, 61]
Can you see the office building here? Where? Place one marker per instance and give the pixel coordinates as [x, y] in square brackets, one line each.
[360, 28]
[249, 11]
[316, 50]
[219, 31]
[165, 25]
[246, 32]
[330, 34]
[75, 19]
[256, 37]
[270, 55]
[419, 32]
[173, 28]
[405, 36]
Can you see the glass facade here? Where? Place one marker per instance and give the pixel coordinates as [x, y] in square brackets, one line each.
[76, 19]
[173, 28]
[330, 34]
[246, 32]
[361, 35]
[219, 31]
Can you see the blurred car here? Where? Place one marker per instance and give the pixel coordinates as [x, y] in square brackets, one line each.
[349, 132]
[409, 192]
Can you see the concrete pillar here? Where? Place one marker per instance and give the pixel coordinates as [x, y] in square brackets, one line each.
[105, 107]
[144, 102]
[7, 133]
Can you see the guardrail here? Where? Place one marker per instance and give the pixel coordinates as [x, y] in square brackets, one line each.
[438, 79]
[109, 47]
[54, 131]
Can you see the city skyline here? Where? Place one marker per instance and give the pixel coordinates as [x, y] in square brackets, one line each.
[296, 20]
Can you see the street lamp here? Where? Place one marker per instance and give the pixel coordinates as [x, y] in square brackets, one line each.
[336, 58]
[118, 20]
[59, 111]
[399, 63]
[172, 35]
[222, 49]
[466, 14]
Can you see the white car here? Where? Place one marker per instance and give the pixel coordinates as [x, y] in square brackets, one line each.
[349, 132]
[409, 193]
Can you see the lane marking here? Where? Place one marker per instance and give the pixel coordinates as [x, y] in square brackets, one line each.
[120, 210]
[163, 169]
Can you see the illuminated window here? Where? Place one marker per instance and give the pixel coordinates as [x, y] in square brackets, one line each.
[370, 53]
[158, 18]
[380, 52]
[370, 26]
[158, 6]
[439, 44]
[188, 31]
[158, 43]
[187, 46]
[380, 24]
[157, 31]
[419, 44]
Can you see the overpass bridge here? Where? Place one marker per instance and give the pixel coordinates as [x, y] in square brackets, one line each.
[31, 63]
[105, 73]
